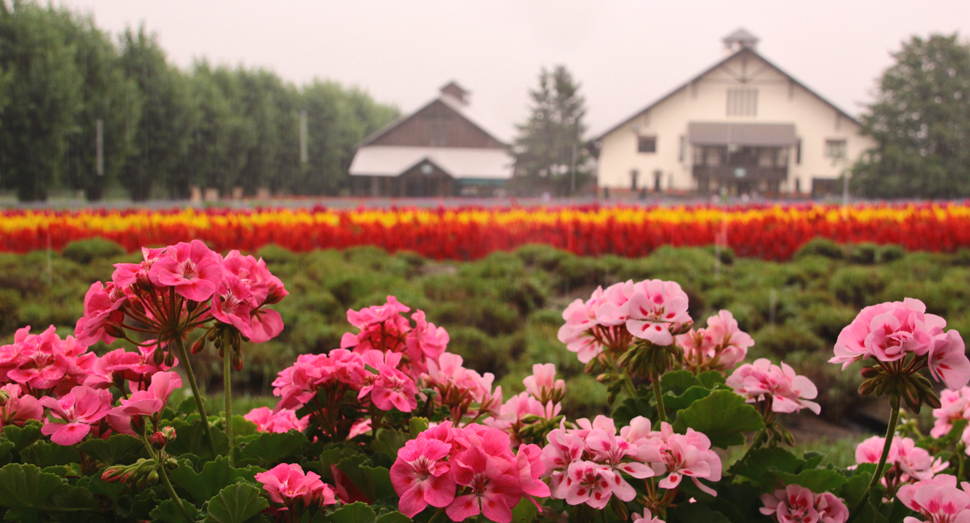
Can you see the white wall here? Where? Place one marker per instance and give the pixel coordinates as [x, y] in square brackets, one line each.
[705, 100]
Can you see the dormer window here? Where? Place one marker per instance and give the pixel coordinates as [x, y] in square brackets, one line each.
[646, 144]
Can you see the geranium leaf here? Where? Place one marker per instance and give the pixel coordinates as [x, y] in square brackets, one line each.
[269, 448]
[678, 381]
[47, 454]
[23, 437]
[692, 394]
[712, 378]
[524, 512]
[215, 475]
[169, 512]
[389, 441]
[236, 504]
[354, 513]
[722, 416]
[632, 407]
[190, 437]
[756, 466]
[816, 480]
[26, 487]
[111, 451]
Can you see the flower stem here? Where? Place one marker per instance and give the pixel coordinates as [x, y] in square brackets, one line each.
[163, 475]
[877, 475]
[658, 393]
[755, 444]
[196, 393]
[227, 392]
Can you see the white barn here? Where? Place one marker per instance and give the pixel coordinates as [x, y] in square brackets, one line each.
[742, 126]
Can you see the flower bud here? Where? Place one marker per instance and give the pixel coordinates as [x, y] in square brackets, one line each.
[3, 398]
[169, 359]
[870, 372]
[237, 361]
[137, 424]
[158, 441]
[113, 330]
[158, 357]
[142, 280]
[114, 474]
[198, 345]
[152, 478]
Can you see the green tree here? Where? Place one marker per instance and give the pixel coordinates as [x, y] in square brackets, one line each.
[43, 93]
[550, 154]
[106, 95]
[920, 122]
[161, 137]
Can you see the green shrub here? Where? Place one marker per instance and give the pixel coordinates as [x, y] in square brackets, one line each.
[783, 340]
[85, 251]
[857, 286]
[527, 294]
[274, 254]
[864, 253]
[576, 271]
[478, 350]
[821, 247]
[545, 257]
[891, 252]
[827, 320]
[10, 304]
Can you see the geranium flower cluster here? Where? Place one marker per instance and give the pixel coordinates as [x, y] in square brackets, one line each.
[466, 471]
[907, 463]
[178, 288]
[799, 504]
[467, 394]
[610, 319]
[385, 329]
[288, 485]
[283, 420]
[719, 346]
[589, 464]
[528, 414]
[774, 388]
[954, 405]
[325, 380]
[903, 339]
[44, 363]
[937, 500]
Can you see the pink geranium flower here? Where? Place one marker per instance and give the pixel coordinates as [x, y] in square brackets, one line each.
[948, 360]
[152, 401]
[493, 486]
[588, 482]
[762, 381]
[192, 268]
[283, 420]
[654, 308]
[286, 484]
[937, 500]
[421, 476]
[646, 517]
[688, 455]
[75, 412]
[797, 504]
[577, 333]
[101, 309]
[887, 332]
[954, 405]
[390, 388]
[543, 385]
[19, 407]
[233, 304]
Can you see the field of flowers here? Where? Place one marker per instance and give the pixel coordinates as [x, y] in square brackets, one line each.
[467, 233]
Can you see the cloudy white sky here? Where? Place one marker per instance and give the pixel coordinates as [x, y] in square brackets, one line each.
[626, 54]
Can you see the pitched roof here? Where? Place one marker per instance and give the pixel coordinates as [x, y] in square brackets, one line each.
[459, 162]
[712, 68]
[489, 125]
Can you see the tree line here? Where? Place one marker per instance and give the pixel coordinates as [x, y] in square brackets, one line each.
[66, 85]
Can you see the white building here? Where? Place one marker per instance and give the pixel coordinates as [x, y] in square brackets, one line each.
[741, 126]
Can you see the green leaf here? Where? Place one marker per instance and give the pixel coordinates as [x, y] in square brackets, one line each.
[47, 454]
[236, 504]
[112, 450]
[855, 487]
[524, 512]
[389, 441]
[417, 426]
[242, 426]
[23, 437]
[26, 487]
[190, 438]
[354, 513]
[816, 480]
[397, 517]
[373, 482]
[722, 416]
[333, 455]
[5, 447]
[98, 486]
[630, 408]
[169, 512]
[75, 498]
[215, 475]
[756, 466]
[677, 381]
[812, 459]
[712, 378]
[675, 403]
[268, 448]
[694, 512]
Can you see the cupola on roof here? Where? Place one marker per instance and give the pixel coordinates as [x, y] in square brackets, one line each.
[739, 39]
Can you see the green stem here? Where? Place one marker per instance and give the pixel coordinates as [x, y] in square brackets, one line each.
[877, 475]
[196, 393]
[658, 394]
[163, 474]
[755, 444]
[227, 392]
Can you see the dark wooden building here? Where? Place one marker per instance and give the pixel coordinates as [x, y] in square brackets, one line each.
[441, 149]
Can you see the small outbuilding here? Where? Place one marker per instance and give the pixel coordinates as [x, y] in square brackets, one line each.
[441, 149]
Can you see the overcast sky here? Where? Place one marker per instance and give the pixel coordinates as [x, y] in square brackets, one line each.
[626, 54]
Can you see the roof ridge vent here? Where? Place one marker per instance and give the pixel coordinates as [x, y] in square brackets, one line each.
[738, 40]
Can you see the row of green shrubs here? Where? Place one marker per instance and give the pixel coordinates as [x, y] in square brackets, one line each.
[503, 312]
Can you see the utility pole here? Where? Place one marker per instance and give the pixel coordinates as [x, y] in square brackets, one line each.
[304, 156]
[99, 147]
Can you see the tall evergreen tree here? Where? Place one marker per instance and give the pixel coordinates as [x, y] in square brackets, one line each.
[43, 94]
[550, 154]
[921, 124]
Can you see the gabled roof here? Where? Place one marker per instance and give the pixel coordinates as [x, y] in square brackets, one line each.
[484, 122]
[459, 162]
[712, 68]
